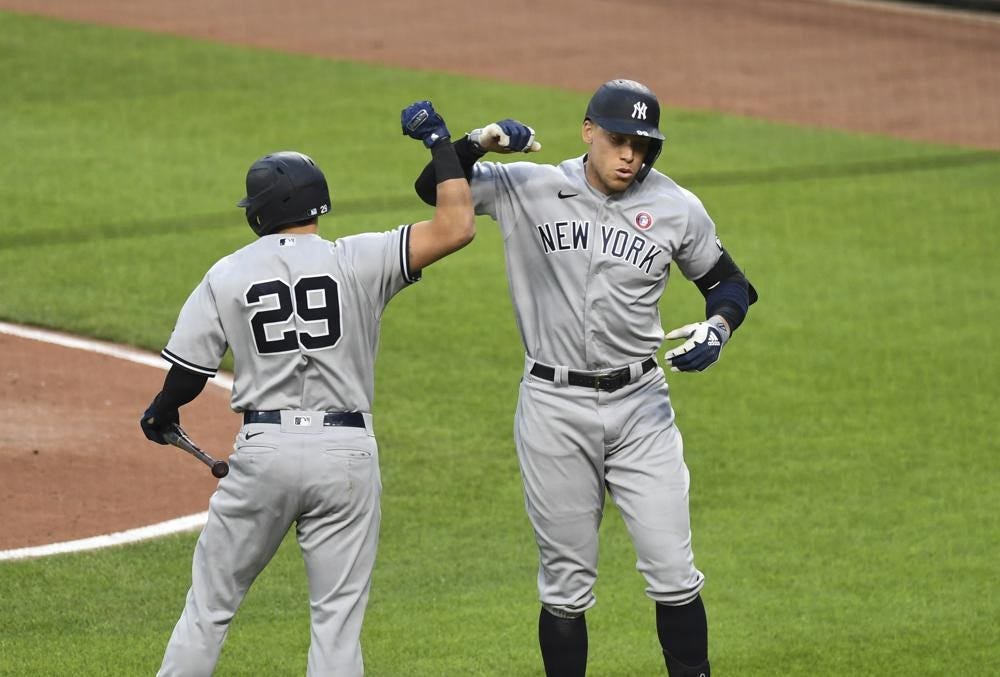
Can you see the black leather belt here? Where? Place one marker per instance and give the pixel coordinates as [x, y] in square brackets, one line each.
[608, 381]
[346, 419]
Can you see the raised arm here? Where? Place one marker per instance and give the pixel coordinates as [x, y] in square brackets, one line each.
[505, 136]
[453, 224]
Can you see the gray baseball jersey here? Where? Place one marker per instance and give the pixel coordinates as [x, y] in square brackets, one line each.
[301, 315]
[586, 271]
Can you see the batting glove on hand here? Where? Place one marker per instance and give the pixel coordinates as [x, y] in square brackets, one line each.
[506, 136]
[420, 121]
[702, 348]
[156, 423]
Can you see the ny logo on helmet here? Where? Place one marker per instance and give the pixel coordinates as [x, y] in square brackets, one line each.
[639, 111]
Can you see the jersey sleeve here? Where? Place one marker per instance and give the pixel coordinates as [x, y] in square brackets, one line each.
[495, 186]
[381, 263]
[198, 341]
[700, 248]
[484, 185]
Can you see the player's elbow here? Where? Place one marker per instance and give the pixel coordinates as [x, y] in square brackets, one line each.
[468, 228]
[454, 218]
[452, 229]
[463, 231]
[426, 193]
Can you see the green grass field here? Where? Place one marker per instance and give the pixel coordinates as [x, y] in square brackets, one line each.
[845, 475]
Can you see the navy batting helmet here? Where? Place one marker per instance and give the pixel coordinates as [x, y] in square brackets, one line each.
[284, 188]
[629, 107]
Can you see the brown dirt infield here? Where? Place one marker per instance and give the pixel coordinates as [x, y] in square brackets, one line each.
[74, 463]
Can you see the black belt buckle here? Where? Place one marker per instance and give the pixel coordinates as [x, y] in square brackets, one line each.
[612, 381]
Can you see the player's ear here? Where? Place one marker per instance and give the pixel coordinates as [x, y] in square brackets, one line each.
[587, 132]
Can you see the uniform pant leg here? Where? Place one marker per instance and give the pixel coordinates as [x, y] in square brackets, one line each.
[339, 538]
[560, 448]
[649, 483]
[247, 519]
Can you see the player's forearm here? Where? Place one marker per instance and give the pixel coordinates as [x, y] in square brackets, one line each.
[728, 294]
[453, 219]
[426, 183]
[179, 387]
[729, 301]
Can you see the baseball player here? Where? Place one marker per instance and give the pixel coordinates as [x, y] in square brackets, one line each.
[589, 245]
[301, 315]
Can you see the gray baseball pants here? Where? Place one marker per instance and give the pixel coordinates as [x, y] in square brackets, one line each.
[326, 481]
[575, 443]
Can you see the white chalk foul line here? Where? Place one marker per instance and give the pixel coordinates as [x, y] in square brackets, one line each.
[186, 523]
[108, 540]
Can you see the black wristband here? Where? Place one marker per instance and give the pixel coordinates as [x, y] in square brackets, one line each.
[468, 151]
[445, 161]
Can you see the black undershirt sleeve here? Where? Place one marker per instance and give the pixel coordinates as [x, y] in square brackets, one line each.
[179, 387]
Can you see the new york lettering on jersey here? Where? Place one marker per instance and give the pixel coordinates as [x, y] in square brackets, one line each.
[644, 229]
[561, 236]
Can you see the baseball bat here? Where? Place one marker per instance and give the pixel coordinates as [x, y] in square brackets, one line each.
[177, 437]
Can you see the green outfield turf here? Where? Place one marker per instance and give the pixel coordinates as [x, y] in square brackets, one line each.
[844, 473]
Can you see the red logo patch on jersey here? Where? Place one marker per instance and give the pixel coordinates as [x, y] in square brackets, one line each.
[643, 221]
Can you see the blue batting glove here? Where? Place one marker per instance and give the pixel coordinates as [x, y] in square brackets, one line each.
[521, 135]
[420, 121]
[506, 136]
[702, 348]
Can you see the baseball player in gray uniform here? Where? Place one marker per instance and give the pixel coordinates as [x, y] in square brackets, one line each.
[589, 246]
[301, 315]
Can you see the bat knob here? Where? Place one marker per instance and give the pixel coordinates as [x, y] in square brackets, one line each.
[220, 469]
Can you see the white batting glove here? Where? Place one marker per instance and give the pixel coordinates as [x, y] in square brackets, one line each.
[702, 348]
[506, 136]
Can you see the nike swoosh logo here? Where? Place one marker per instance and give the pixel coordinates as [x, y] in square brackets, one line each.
[249, 435]
[563, 196]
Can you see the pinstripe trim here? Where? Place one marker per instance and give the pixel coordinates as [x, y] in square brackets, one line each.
[180, 362]
[404, 256]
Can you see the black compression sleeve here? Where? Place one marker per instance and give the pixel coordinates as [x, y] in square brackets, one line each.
[466, 152]
[729, 301]
[444, 159]
[179, 387]
[727, 291]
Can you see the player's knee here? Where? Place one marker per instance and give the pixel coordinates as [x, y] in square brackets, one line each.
[568, 595]
[675, 586]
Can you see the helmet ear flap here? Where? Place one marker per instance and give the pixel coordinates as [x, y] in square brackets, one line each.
[655, 147]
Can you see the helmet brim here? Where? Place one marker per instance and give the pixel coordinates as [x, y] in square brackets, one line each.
[625, 127]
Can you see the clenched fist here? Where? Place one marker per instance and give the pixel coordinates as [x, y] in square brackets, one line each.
[506, 136]
[420, 121]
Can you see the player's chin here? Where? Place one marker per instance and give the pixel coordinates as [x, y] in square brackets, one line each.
[619, 181]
